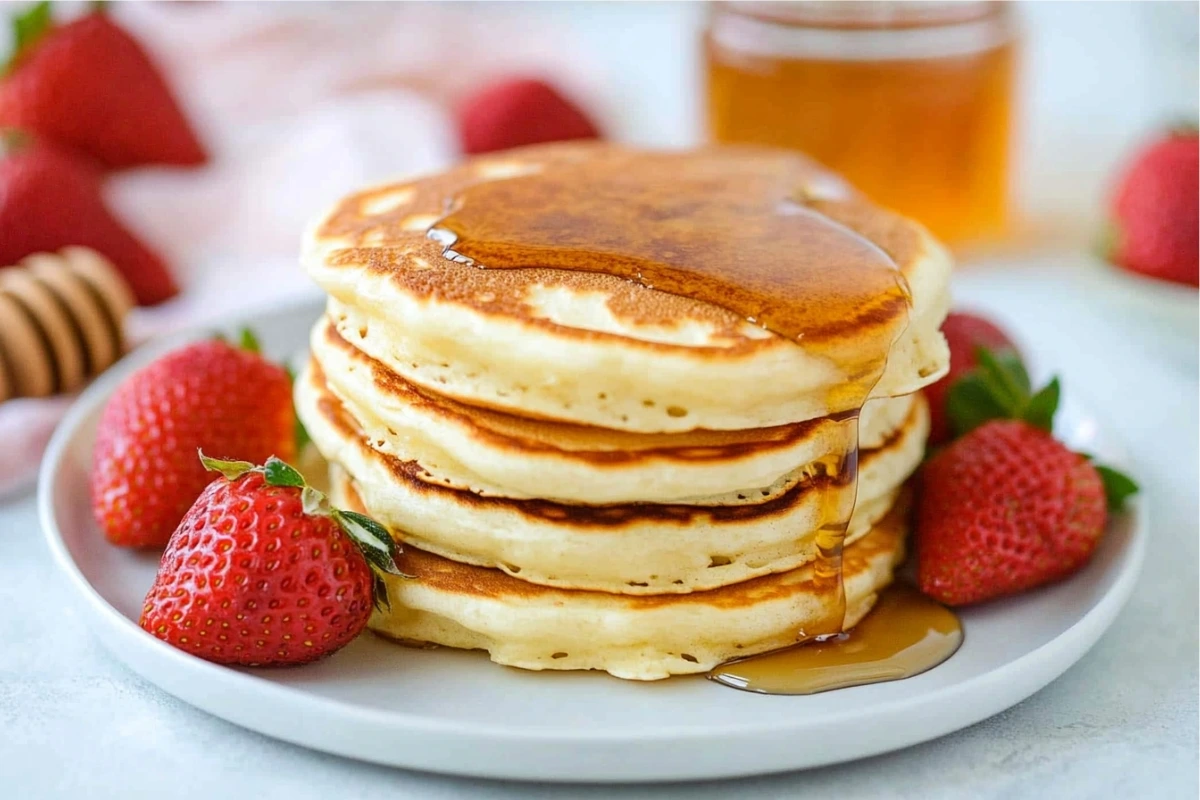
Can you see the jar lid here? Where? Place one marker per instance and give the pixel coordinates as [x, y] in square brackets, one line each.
[883, 15]
[853, 31]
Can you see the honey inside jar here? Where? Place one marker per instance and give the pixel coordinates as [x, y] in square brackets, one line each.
[911, 102]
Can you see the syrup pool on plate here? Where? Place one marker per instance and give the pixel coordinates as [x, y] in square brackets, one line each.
[904, 635]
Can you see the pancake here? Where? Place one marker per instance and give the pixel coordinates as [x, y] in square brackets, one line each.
[594, 349]
[518, 457]
[630, 548]
[639, 638]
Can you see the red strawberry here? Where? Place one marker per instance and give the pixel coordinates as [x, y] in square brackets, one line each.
[262, 572]
[1006, 507]
[965, 333]
[517, 112]
[1155, 211]
[50, 198]
[208, 395]
[89, 85]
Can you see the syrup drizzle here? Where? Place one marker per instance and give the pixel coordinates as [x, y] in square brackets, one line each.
[731, 228]
[836, 507]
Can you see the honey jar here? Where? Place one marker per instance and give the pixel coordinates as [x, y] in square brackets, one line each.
[911, 101]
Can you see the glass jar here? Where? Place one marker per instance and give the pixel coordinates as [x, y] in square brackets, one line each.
[911, 101]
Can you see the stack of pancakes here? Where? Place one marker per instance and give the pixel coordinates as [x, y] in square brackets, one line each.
[587, 473]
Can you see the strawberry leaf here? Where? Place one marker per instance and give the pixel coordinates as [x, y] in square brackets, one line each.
[1118, 487]
[377, 545]
[232, 470]
[1005, 377]
[379, 593]
[279, 473]
[28, 28]
[378, 548]
[1012, 365]
[372, 536]
[1039, 411]
[248, 341]
[971, 402]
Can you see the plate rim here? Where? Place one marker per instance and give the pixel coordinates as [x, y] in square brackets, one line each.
[1053, 657]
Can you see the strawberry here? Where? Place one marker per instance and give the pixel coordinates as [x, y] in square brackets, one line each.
[90, 86]
[50, 198]
[517, 112]
[1154, 228]
[1006, 507]
[208, 395]
[964, 333]
[262, 572]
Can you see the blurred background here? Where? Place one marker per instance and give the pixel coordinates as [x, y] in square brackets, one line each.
[1006, 127]
[301, 102]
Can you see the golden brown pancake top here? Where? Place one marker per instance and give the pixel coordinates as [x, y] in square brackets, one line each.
[749, 232]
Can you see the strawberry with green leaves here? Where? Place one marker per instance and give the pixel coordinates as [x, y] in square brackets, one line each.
[1006, 507]
[89, 86]
[965, 333]
[211, 395]
[263, 572]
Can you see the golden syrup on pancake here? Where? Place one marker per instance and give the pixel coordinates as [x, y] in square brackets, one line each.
[738, 229]
[904, 635]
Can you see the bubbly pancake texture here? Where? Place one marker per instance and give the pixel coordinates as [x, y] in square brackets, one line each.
[629, 548]
[595, 349]
[518, 457]
[640, 638]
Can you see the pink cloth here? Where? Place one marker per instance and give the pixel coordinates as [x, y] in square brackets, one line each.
[298, 103]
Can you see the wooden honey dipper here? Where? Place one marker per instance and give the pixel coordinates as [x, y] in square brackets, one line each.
[62, 321]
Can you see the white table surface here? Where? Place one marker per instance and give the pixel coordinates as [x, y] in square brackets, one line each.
[1123, 722]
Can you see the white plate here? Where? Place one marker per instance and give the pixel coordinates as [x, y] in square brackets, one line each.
[458, 713]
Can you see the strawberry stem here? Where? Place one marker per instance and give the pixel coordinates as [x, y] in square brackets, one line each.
[28, 28]
[248, 341]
